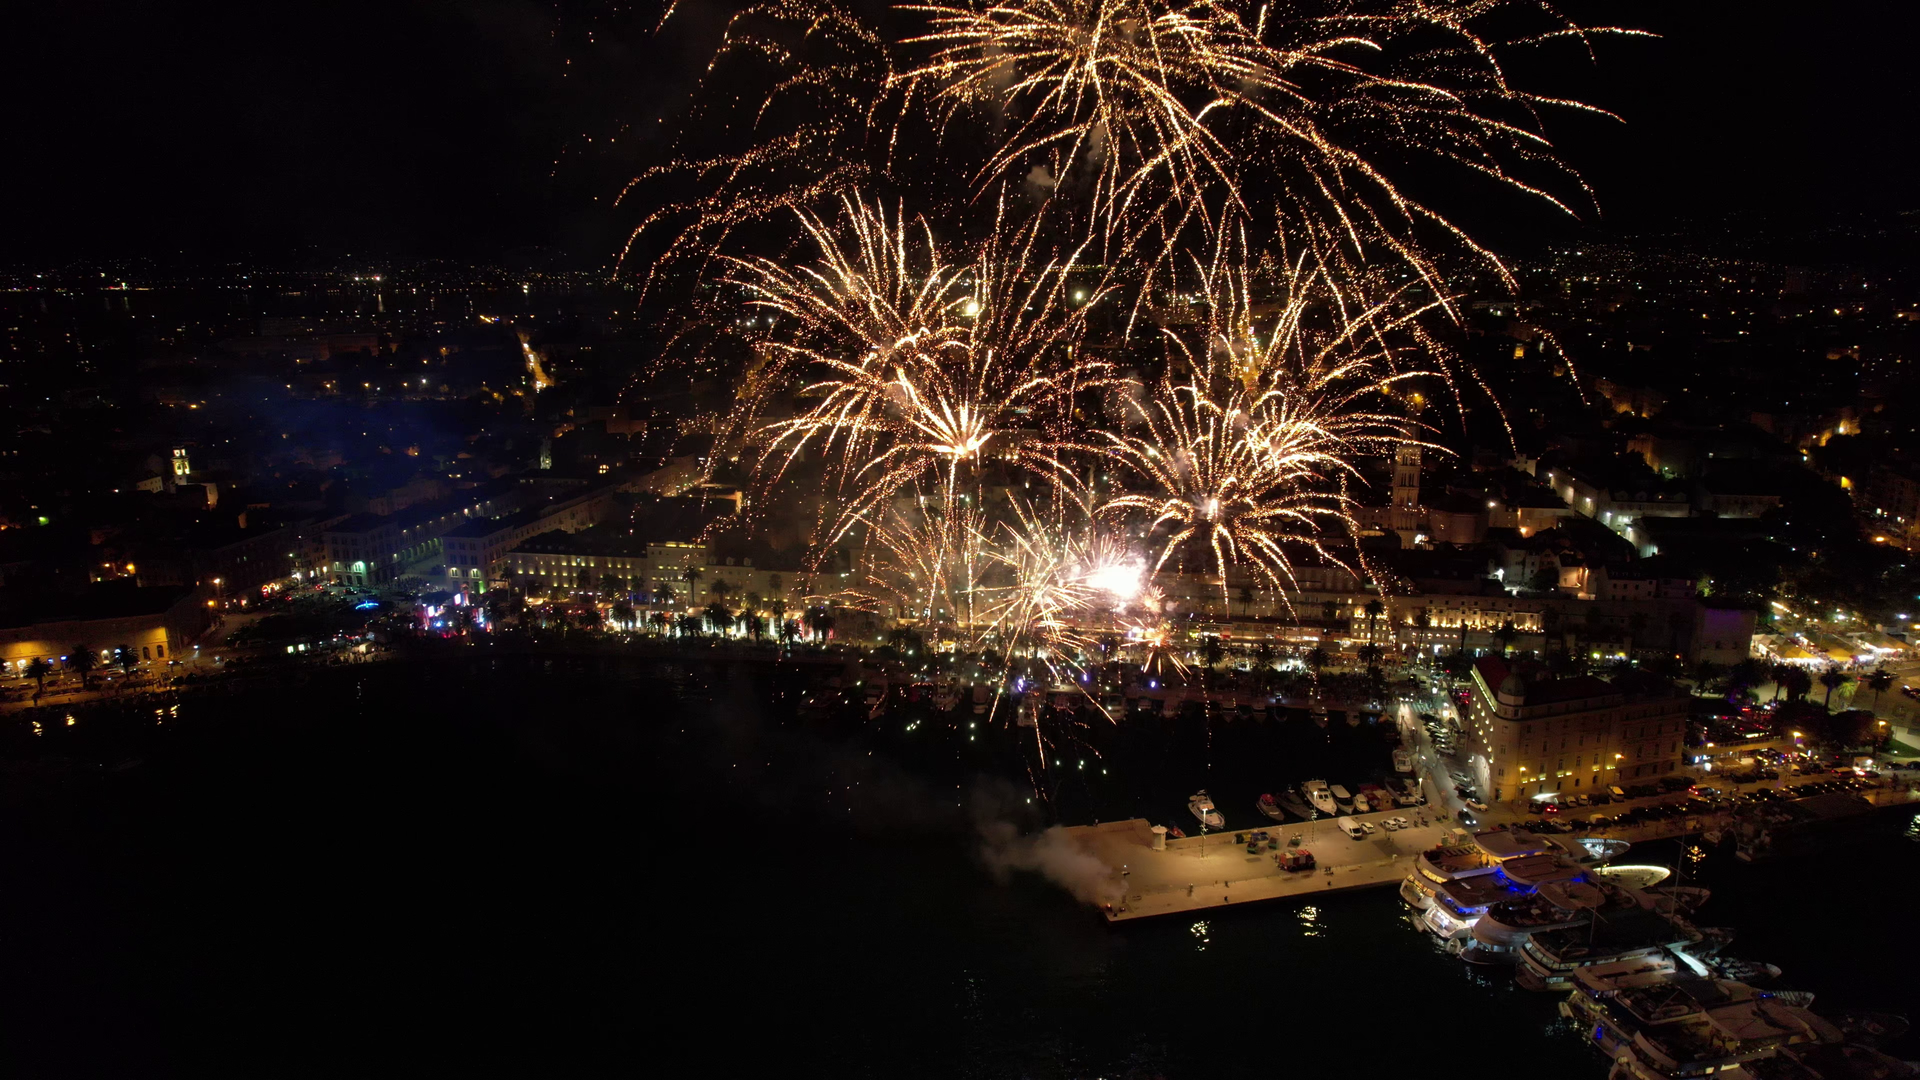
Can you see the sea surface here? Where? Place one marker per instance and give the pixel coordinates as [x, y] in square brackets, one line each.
[551, 868]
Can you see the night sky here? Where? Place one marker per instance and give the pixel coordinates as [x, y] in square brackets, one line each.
[460, 128]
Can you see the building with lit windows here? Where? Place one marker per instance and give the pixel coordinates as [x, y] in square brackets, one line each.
[1529, 735]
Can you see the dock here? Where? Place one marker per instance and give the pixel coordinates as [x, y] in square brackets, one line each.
[1195, 873]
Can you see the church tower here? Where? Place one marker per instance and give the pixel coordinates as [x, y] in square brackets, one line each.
[1406, 477]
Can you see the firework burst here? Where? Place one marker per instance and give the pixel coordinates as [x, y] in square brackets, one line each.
[1246, 450]
[907, 368]
[1163, 113]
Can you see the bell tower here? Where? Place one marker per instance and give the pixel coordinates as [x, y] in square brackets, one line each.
[1406, 492]
[1406, 477]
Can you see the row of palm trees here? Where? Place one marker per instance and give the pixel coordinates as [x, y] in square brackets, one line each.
[717, 619]
[83, 660]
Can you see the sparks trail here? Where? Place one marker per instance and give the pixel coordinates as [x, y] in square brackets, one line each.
[1162, 114]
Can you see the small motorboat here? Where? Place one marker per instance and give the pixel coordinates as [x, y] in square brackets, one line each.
[1295, 805]
[1269, 806]
[1202, 807]
[1322, 797]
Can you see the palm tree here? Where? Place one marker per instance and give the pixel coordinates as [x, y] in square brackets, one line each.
[1316, 659]
[752, 601]
[1211, 651]
[1798, 683]
[37, 670]
[720, 590]
[660, 620]
[83, 659]
[1779, 673]
[1505, 636]
[1880, 679]
[718, 617]
[1833, 679]
[1374, 609]
[1705, 672]
[692, 575]
[904, 640]
[623, 614]
[1747, 674]
[1370, 654]
[1376, 682]
[1246, 599]
[127, 657]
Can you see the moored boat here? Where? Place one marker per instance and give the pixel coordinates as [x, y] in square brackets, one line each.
[1290, 799]
[1321, 797]
[1203, 808]
[1270, 806]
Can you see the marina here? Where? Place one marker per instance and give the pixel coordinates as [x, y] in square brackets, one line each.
[1186, 874]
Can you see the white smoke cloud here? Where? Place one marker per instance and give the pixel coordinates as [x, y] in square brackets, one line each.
[1053, 855]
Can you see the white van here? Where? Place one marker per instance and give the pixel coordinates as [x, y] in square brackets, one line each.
[1351, 828]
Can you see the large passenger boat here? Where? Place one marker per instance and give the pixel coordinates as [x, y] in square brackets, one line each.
[1658, 1027]
[1549, 958]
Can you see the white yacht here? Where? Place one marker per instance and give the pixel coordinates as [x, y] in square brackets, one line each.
[1321, 797]
[1656, 1026]
[1343, 798]
[1549, 958]
[1202, 808]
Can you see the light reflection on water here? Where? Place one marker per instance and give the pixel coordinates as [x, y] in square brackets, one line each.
[1310, 922]
[1201, 934]
[1912, 832]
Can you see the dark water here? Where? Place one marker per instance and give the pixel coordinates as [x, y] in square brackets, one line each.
[531, 872]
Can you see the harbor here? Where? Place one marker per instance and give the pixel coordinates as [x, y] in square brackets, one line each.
[1196, 873]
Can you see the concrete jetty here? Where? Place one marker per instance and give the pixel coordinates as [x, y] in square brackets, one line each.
[1194, 873]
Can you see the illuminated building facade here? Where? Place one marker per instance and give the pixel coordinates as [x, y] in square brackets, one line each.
[1529, 735]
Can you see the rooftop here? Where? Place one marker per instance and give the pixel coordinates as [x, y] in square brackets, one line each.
[107, 601]
[1527, 684]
